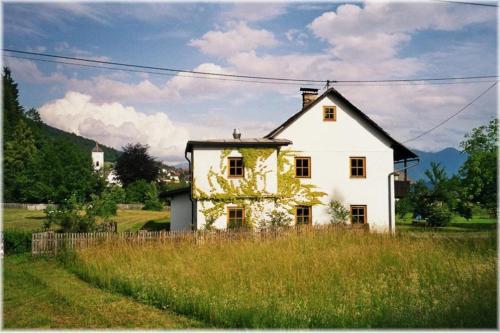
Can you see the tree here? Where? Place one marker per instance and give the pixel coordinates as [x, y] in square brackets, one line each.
[12, 109]
[479, 171]
[135, 164]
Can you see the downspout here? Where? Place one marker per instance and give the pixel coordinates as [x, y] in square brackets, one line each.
[390, 192]
[190, 189]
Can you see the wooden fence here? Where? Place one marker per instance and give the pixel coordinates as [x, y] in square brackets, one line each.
[50, 243]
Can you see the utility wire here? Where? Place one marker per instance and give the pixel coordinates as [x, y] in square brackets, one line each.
[238, 80]
[249, 76]
[156, 73]
[469, 3]
[453, 115]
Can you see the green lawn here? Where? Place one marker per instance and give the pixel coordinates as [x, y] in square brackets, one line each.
[476, 225]
[128, 220]
[39, 294]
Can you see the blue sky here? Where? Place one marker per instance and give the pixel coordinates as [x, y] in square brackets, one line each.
[305, 40]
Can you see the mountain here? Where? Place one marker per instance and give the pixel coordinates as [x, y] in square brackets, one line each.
[450, 158]
[110, 154]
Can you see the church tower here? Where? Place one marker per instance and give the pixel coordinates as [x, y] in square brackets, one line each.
[97, 157]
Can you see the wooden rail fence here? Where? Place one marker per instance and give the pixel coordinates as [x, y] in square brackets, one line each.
[50, 243]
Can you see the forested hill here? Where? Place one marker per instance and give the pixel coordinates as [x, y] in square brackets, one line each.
[450, 159]
[110, 154]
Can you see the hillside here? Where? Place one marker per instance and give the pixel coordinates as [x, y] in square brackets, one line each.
[110, 154]
[450, 158]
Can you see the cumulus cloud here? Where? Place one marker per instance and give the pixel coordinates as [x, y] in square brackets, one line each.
[378, 30]
[237, 38]
[115, 124]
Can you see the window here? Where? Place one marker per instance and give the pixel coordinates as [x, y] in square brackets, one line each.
[236, 168]
[302, 167]
[97, 163]
[303, 215]
[329, 113]
[358, 167]
[235, 217]
[358, 214]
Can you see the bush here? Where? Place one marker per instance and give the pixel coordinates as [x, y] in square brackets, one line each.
[136, 191]
[71, 216]
[439, 214]
[105, 205]
[16, 241]
[338, 213]
[152, 202]
[277, 219]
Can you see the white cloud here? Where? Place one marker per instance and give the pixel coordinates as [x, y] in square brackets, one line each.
[237, 38]
[252, 12]
[378, 30]
[115, 124]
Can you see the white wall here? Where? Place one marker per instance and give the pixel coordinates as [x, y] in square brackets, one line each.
[206, 158]
[97, 160]
[330, 144]
[180, 218]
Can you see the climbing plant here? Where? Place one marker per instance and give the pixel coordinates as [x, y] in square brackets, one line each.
[251, 191]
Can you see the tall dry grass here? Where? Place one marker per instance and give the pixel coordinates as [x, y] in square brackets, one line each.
[331, 279]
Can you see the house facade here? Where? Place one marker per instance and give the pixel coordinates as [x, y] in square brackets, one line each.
[330, 150]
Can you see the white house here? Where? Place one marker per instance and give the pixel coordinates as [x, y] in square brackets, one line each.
[330, 150]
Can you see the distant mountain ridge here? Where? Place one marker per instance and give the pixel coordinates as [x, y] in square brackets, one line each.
[450, 158]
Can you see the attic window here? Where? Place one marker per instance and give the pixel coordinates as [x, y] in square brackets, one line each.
[302, 167]
[358, 167]
[303, 215]
[329, 113]
[358, 214]
[235, 217]
[236, 169]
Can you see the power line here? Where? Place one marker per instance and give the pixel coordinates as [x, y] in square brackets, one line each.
[469, 3]
[453, 115]
[161, 68]
[249, 76]
[155, 73]
[238, 80]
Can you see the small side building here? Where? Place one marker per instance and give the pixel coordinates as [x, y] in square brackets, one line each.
[180, 209]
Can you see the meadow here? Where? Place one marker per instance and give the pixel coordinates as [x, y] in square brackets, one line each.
[128, 220]
[331, 279]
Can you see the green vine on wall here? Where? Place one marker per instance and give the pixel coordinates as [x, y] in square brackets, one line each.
[247, 193]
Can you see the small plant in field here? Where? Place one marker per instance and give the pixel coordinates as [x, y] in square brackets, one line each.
[71, 216]
[277, 219]
[338, 213]
[439, 214]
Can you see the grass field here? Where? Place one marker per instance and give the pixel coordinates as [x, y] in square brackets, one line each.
[475, 226]
[333, 279]
[41, 294]
[128, 220]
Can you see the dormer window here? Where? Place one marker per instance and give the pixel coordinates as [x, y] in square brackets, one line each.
[235, 167]
[329, 113]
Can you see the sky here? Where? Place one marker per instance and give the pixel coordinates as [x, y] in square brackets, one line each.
[319, 41]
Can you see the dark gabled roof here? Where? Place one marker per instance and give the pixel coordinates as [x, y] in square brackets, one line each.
[97, 149]
[251, 142]
[400, 151]
[176, 192]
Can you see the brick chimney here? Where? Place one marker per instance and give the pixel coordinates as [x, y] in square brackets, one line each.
[309, 95]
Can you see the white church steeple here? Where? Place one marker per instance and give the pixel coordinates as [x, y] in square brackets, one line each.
[97, 157]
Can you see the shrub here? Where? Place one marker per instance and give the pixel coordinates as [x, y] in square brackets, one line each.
[136, 191]
[16, 241]
[338, 213]
[152, 202]
[71, 216]
[277, 219]
[439, 214]
[105, 205]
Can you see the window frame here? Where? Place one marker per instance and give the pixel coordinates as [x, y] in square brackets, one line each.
[325, 107]
[235, 158]
[228, 218]
[365, 216]
[308, 158]
[309, 220]
[351, 158]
